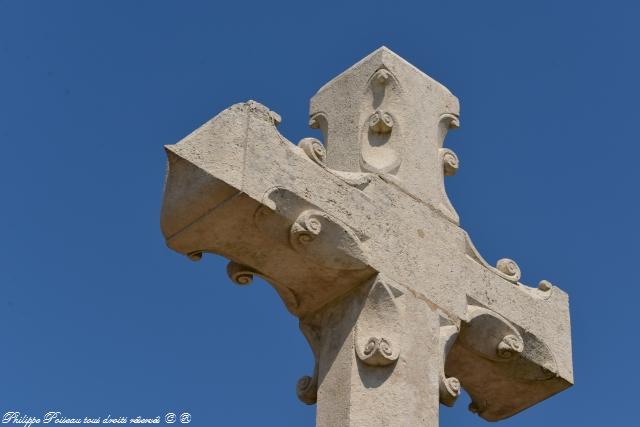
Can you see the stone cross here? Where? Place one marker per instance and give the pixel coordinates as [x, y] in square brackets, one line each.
[358, 237]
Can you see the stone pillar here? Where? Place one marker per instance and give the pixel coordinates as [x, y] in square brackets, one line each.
[379, 358]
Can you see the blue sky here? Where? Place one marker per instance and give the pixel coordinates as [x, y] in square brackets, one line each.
[98, 317]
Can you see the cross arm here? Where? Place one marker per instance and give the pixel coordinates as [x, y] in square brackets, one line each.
[238, 188]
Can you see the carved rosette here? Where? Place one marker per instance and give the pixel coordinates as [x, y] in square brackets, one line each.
[378, 327]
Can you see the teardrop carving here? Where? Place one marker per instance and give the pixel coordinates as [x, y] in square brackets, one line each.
[378, 328]
[380, 138]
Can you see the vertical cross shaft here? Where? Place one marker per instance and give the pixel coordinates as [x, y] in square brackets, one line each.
[378, 359]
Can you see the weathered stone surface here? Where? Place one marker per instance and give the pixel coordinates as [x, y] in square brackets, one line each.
[358, 237]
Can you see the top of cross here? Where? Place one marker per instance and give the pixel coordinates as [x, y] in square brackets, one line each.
[385, 116]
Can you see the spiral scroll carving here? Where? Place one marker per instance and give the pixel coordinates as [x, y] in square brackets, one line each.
[381, 122]
[450, 389]
[314, 149]
[240, 274]
[450, 161]
[306, 228]
[490, 335]
[380, 345]
[378, 352]
[508, 269]
[450, 121]
[510, 346]
[378, 330]
[307, 389]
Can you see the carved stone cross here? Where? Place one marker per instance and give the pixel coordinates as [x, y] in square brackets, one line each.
[359, 239]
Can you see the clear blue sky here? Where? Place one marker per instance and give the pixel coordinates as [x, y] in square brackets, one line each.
[98, 317]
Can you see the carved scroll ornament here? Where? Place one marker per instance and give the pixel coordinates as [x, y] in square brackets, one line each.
[378, 327]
